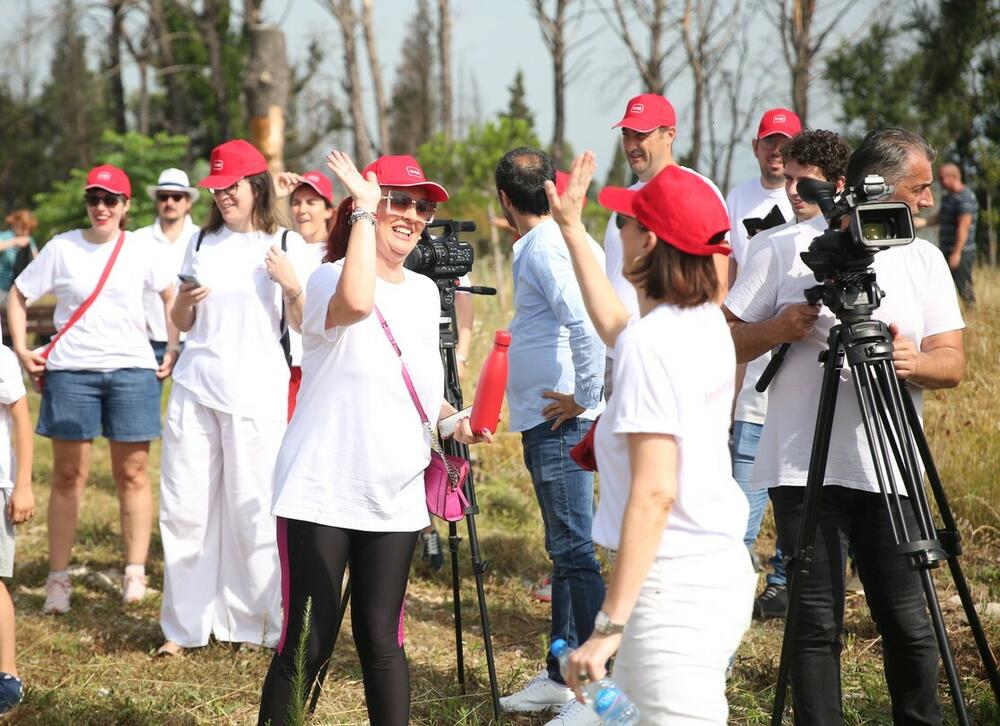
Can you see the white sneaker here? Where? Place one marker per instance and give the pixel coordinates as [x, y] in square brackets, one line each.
[133, 588]
[575, 713]
[541, 694]
[57, 591]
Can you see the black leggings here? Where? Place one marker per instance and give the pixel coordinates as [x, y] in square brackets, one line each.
[313, 558]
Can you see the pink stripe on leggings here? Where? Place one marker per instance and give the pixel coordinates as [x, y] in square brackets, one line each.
[282, 526]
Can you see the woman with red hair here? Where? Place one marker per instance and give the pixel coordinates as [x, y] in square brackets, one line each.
[349, 479]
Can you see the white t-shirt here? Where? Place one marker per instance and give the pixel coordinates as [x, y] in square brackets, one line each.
[171, 256]
[355, 450]
[112, 332]
[613, 263]
[11, 390]
[752, 199]
[661, 388]
[919, 298]
[311, 260]
[232, 358]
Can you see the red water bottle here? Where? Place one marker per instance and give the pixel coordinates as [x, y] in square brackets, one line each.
[491, 387]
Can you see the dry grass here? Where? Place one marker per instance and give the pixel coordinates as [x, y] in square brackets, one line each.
[94, 666]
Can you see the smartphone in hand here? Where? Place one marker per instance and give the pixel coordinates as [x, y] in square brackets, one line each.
[191, 279]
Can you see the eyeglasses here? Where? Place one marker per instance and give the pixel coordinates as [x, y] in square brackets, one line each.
[108, 200]
[397, 203]
[772, 142]
[170, 196]
[229, 191]
[621, 219]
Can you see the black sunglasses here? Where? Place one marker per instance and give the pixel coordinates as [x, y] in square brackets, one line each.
[172, 196]
[108, 200]
[621, 219]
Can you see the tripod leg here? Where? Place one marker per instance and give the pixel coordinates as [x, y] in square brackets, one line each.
[798, 564]
[952, 544]
[456, 596]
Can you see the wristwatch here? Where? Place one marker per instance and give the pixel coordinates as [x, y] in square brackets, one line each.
[604, 626]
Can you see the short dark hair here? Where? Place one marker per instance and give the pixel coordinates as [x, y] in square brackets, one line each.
[521, 175]
[825, 150]
[266, 217]
[886, 152]
[672, 276]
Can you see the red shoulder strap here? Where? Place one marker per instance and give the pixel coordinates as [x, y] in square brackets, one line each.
[78, 313]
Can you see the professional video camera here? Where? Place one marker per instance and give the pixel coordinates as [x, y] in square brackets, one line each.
[444, 258]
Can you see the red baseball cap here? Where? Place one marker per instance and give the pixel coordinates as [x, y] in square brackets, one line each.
[404, 171]
[647, 112]
[320, 183]
[678, 206]
[111, 179]
[231, 161]
[779, 121]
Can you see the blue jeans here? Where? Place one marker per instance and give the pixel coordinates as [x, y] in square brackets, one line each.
[743, 449]
[565, 494]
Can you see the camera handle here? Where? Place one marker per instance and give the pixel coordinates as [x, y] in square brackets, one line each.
[813, 295]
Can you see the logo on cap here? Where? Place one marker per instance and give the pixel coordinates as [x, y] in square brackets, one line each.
[413, 171]
[217, 165]
[780, 118]
[637, 108]
[311, 177]
[104, 175]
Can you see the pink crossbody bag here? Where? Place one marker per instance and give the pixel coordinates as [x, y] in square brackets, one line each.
[444, 477]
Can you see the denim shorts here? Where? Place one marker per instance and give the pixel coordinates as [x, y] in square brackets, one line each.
[121, 405]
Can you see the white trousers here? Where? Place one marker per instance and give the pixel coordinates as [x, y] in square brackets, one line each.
[691, 614]
[220, 555]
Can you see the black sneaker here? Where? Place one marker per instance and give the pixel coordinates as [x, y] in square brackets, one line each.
[431, 546]
[772, 603]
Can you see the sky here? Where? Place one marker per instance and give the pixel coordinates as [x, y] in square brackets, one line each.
[492, 39]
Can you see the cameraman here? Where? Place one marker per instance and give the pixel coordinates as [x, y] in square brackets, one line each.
[764, 309]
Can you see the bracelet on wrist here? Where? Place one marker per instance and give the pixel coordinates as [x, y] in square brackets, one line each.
[294, 296]
[359, 214]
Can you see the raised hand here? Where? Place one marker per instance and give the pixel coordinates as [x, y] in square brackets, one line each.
[286, 182]
[365, 190]
[567, 208]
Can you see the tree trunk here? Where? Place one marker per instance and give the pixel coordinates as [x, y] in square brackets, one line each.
[116, 86]
[175, 108]
[802, 14]
[444, 50]
[498, 259]
[267, 83]
[210, 33]
[345, 16]
[559, 95]
[376, 70]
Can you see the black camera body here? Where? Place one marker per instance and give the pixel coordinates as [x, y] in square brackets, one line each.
[443, 258]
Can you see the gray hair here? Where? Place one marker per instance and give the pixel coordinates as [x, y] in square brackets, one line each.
[886, 152]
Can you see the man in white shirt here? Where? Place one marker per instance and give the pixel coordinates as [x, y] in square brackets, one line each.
[818, 155]
[648, 133]
[921, 310]
[168, 238]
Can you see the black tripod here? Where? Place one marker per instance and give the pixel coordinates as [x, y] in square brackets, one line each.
[896, 440]
[453, 394]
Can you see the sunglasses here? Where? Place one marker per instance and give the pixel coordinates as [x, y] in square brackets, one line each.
[108, 200]
[170, 196]
[397, 203]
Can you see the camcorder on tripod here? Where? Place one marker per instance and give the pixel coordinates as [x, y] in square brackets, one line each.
[445, 258]
[859, 227]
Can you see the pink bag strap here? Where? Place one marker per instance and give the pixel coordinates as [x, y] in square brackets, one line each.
[402, 363]
[78, 313]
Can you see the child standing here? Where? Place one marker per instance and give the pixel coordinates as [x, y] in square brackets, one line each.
[18, 507]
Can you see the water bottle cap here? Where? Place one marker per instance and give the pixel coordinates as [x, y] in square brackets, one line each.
[502, 337]
[558, 645]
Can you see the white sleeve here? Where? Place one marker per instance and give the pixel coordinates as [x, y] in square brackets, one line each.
[754, 296]
[320, 288]
[187, 266]
[38, 278]
[940, 303]
[11, 378]
[645, 398]
[159, 273]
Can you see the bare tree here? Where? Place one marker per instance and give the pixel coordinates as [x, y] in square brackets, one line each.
[555, 27]
[268, 83]
[382, 117]
[116, 86]
[651, 16]
[167, 67]
[444, 58]
[344, 14]
[705, 37]
[801, 43]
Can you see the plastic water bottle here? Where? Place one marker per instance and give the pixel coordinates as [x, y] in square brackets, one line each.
[606, 699]
[491, 387]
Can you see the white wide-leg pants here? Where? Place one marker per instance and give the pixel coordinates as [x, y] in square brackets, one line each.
[220, 554]
[691, 614]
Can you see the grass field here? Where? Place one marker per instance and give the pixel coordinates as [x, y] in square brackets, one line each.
[94, 665]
